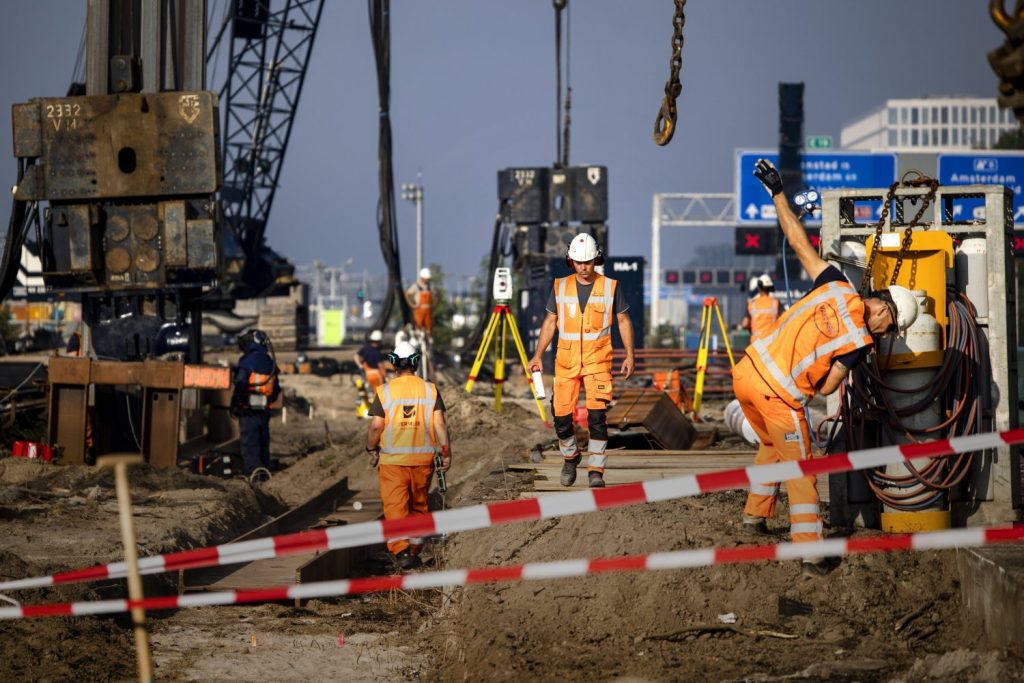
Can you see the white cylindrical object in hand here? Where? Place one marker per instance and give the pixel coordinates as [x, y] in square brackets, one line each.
[538, 384]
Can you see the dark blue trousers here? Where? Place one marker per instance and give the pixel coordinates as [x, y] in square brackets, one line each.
[254, 426]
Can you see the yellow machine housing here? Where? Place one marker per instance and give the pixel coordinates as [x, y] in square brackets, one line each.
[926, 265]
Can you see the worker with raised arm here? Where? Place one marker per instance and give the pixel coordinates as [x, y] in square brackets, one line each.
[371, 360]
[763, 309]
[809, 351]
[407, 427]
[581, 308]
[420, 297]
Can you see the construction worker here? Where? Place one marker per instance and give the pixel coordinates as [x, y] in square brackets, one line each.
[256, 387]
[811, 350]
[407, 427]
[371, 360]
[763, 309]
[581, 308]
[421, 298]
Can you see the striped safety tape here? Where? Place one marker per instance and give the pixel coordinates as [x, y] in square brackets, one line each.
[682, 559]
[505, 512]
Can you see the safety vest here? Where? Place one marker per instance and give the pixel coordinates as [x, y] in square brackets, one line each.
[261, 388]
[408, 437]
[763, 310]
[797, 354]
[424, 297]
[584, 337]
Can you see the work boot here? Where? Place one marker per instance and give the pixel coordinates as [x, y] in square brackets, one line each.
[406, 560]
[755, 525]
[596, 480]
[569, 470]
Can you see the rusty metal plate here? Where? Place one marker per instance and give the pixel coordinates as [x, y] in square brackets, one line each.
[118, 260]
[202, 247]
[163, 374]
[117, 228]
[129, 145]
[147, 259]
[28, 133]
[175, 249]
[146, 226]
[208, 377]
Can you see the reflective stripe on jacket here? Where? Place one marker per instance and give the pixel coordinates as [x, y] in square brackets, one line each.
[262, 384]
[763, 310]
[796, 356]
[408, 437]
[584, 337]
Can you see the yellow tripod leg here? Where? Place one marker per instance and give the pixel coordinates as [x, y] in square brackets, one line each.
[482, 351]
[725, 336]
[702, 356]
[499, 365]
[526, 366]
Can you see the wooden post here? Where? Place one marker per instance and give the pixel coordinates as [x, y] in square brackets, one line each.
[120, 463]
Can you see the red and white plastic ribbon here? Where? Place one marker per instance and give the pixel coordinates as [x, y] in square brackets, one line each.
[505, 512]
[683, 559]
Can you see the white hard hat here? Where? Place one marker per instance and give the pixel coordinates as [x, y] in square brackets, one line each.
[583, 248]
[766, 280]
[906, 306]
[405, 350]
[425, 273]
[376, 335]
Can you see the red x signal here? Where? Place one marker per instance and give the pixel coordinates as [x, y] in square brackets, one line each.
[751, 241]
[815, 240]
[1018, 245]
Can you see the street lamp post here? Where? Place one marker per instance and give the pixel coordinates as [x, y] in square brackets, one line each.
[414, 193]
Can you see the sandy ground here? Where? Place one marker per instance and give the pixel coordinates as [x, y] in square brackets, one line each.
[659, 626]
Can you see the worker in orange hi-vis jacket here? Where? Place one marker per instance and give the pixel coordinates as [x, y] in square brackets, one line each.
[420, 297]
[810, 351]
[763, 309]
[581, 308]
[407, 427]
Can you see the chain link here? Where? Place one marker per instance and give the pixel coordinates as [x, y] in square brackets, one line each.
[908, 233]
[665, 123]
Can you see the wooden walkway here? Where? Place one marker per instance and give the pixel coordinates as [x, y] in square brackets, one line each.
[629, 466]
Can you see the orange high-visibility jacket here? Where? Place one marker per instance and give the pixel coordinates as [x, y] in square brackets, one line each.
[262, 384]
[798, 353]
[584, 339]
[763, 310]
[408, 437]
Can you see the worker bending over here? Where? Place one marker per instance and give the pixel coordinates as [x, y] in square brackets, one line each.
[371, 360]
[763, 309]
[256, 388]
[420, 297]
[810, 350]
[407, 426]
[581, 308]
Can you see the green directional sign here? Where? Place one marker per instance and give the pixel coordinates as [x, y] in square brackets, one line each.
[819, 142]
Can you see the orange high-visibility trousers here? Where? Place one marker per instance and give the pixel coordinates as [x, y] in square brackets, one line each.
[423, 316]
[784, 437]
[373, 377]
[403, 490]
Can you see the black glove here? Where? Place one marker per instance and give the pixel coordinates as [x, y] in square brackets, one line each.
[769, 176]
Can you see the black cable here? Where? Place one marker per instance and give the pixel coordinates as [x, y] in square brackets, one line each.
[380, 32]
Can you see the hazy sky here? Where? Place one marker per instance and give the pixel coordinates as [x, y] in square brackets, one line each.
[473, 92]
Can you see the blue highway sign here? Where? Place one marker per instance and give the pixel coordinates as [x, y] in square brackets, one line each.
[822, 171]
[982, 168]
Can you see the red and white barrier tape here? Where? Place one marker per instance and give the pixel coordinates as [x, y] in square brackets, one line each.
[683, 559]
[505, 512]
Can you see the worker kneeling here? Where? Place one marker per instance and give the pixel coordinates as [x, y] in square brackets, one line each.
[408, 425]
[810, 350]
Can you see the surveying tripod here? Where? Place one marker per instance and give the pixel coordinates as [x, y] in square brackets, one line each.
[502, 317]
[710, 306]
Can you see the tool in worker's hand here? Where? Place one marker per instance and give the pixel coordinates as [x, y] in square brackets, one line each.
[442, 480]
[710, 308]
[502, 316]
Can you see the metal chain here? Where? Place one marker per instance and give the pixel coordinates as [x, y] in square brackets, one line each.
[908, 232]
[866, 280]
[665, 123]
